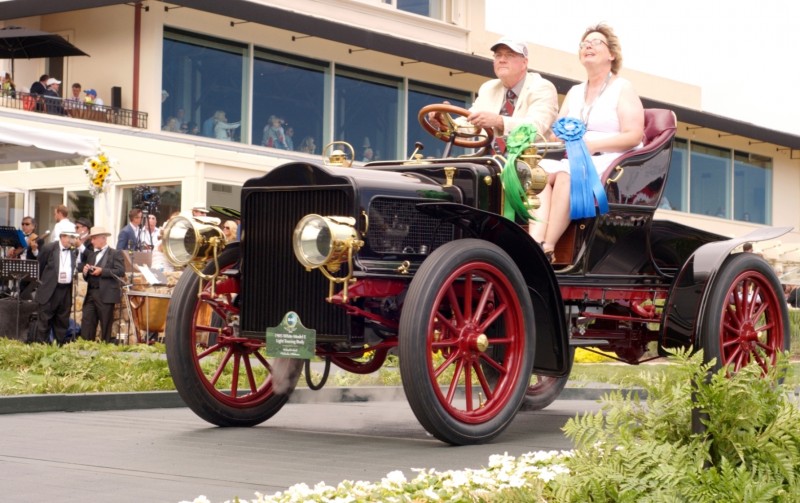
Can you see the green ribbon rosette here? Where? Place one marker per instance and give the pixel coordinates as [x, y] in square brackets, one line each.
[515, 197]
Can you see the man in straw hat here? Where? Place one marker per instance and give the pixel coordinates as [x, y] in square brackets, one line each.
[57, 261]
[101, 268]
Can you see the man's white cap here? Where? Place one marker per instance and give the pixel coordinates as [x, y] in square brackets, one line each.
[517, 46]
[52, 81]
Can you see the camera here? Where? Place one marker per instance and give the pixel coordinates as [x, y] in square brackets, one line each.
[146, 198]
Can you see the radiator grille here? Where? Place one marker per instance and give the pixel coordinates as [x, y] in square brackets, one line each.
[273, 281]
[395, 226]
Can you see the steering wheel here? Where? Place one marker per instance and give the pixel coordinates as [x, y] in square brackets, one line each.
[449, 131]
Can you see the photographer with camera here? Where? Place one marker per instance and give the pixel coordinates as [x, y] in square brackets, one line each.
[101, 267]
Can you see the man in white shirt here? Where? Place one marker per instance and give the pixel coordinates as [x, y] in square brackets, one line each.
[57, 262]
[63, 223]
[91, 97]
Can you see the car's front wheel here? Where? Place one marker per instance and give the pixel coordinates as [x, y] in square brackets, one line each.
[466, 342]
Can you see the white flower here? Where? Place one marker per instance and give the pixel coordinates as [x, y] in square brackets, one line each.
[396, 477]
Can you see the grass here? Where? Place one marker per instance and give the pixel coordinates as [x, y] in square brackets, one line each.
[87, 367]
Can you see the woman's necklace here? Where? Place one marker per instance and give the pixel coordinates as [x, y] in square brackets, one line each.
[585, 113]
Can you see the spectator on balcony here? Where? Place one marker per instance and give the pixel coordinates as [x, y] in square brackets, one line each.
[274, 136]
[75, 100]
[223, 130]
[308, 146]
[40, 86]
[9, 89]
[53, 102]
[92, 98]
[172, 125]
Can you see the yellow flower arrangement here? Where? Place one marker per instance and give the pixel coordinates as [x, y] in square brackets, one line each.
[98, 169]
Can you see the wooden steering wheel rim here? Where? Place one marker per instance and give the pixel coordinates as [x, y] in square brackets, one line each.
[487, 135]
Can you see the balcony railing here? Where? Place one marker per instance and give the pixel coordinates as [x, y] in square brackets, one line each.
[76, 109]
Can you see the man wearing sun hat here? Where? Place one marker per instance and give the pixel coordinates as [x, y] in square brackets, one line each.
[199, 210]
[531, 99]
[101, 267]
[57, 261]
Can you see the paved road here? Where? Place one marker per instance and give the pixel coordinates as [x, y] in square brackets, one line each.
[171, 455]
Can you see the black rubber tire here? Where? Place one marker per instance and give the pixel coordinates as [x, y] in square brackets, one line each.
[496, 286]
[737, 327]
[546, 390]
[183, 357]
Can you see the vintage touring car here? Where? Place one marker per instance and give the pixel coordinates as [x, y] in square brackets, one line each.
[415, 258]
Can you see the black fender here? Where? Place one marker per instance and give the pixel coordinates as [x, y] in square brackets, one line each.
[552, 356]
[688, 296]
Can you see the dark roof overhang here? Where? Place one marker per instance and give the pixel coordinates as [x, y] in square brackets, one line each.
[358, 37]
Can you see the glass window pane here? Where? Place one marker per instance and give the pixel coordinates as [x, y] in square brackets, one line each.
[291, 92]
[430, 8]
[418, 97]
[80, 204]
[752, 188]
[169, 202]
[675, 194]
[710, 181]
[202, 79]
[366, 113]
[11, 209]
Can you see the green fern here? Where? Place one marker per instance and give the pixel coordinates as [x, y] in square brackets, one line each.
[635, 450]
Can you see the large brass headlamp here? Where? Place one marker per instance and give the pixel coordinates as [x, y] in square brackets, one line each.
[325, 241]
[188, 240]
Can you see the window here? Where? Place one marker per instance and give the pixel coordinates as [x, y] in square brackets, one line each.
[290, 90]
[709, 180]
[221, 194]
[203, 85]
[429, 8]
[366, 108]
[752, 180]
[674, 197]
[80, 204]
[420, 95]
[169, 202]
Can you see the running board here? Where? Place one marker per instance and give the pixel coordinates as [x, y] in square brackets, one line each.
[587, 342]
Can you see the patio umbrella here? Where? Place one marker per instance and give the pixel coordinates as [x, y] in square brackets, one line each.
[18, 42]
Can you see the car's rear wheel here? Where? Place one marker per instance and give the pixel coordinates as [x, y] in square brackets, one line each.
[222, 377]
[747, 317]
[467, 310]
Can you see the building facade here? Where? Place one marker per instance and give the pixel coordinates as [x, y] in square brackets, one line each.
[290, 76]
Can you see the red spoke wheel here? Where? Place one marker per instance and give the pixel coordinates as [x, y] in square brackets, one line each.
[466, 342]
[222, 377]
[746, 317]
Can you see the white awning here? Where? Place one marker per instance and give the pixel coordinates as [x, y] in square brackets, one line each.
[23, 143]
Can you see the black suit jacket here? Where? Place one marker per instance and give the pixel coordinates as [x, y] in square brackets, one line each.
[49, 263]
[112, 264]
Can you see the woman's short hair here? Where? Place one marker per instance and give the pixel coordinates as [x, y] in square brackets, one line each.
[612, 41]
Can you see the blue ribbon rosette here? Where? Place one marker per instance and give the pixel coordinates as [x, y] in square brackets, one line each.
[585, 186]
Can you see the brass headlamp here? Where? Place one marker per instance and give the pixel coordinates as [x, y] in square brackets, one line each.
[189, 241]
[325, 243]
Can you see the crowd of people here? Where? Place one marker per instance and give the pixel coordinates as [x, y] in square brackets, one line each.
[45, 96]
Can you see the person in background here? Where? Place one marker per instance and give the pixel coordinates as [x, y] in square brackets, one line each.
[613, 115]
[307, 145]
[62, 222]
[40, 86]
[153, 233]
[274, 136]
[101, 265]
[54, 105]
[128, 238]
[75, 100]
[82, 227]
[57, 262]
[172, 125]
[229, 229]
[199, 210]
[223, 130]
[8, 88]
[289, 137]
[92, 98]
